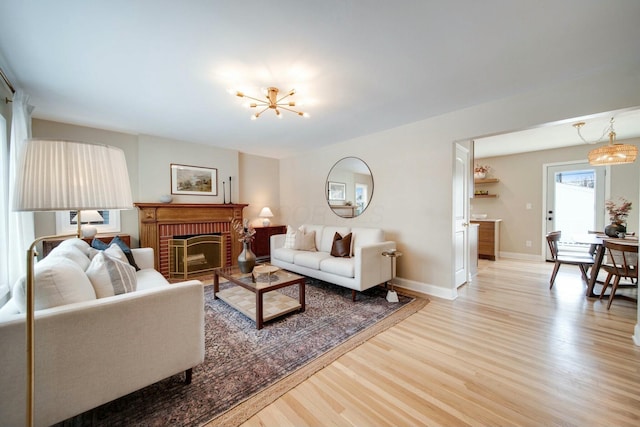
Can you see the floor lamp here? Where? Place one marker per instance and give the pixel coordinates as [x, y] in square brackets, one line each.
[62, 176]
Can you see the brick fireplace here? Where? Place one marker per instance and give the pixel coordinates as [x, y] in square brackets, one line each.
[159, 222]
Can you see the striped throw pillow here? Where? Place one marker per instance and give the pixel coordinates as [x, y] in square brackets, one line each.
[110, 276]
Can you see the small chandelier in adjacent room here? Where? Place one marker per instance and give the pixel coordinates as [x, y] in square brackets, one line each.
[272, 102]
[613, 153]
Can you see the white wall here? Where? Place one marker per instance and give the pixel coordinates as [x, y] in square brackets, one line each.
[156, 156]
[412, 168]
[148, 163]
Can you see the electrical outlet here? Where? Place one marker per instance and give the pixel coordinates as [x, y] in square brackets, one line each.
[528, 206]
[528, 243]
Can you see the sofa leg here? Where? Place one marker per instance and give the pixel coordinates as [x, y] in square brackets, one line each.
[187, 376]
[353, 296]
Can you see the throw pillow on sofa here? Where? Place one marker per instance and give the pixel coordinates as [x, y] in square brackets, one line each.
[290, 238]
[58, 281]
[110, 276]
[305, 241]
[101, 246]
[75, 249]
[341, 246]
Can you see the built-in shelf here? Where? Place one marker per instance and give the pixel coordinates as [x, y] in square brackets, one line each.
[486, 181]
[479, 181]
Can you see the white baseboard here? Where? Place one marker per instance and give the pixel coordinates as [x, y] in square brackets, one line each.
[521, 256]
[425, 288]
[636, 334]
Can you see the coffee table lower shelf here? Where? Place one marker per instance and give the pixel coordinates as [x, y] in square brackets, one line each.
[274, 304]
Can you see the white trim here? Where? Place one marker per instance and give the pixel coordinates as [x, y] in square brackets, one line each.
[521, 256]
[64, 226]
[636, 335]
[425, 288]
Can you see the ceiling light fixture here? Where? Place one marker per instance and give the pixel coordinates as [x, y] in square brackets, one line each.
[613, 153]
[272, 102]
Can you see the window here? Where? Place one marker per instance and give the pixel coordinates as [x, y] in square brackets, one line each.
[65, 223]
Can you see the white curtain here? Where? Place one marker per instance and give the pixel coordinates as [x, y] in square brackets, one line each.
[4, 211]
[19, 225]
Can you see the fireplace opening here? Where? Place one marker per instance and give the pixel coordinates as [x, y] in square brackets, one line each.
[195, 255]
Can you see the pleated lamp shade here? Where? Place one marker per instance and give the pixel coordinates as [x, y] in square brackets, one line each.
[66, 175]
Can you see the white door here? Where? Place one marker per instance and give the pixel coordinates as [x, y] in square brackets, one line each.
[574, 201]
[461, 180]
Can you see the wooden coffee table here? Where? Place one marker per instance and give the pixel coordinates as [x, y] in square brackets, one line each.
[254, 294]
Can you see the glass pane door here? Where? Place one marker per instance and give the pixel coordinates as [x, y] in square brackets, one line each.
[575, 197]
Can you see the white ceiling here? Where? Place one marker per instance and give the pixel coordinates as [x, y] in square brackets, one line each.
[162, 67]
[626, 125]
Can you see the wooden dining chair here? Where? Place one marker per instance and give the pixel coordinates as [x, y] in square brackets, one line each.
[622, 264]
[582, 261]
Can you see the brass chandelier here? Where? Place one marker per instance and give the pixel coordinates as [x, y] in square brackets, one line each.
[272, 102]
[613, 153]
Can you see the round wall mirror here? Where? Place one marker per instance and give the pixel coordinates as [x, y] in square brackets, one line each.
[349, 187]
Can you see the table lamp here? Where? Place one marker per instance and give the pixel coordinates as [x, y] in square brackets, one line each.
[266, 214]
[61, 176]
[87, 217]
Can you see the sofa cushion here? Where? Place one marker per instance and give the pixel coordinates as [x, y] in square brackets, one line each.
[305, 241]
[283, 254]
[290, 238]
[341, 245]
[318, 229]
[76, 243]
[339, 266]
[327, 237]
[310, 259]
[56, 283]
[366, 236]
[110, 276]
[70, 252]
[148, 278]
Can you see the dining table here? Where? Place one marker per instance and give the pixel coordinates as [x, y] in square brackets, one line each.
[597, 240]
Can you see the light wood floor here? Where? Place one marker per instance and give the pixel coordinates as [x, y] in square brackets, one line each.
[507, 352]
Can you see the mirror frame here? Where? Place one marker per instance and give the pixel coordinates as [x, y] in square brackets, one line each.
[339, 191]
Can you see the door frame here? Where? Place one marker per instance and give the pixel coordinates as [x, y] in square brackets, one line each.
[545, 167]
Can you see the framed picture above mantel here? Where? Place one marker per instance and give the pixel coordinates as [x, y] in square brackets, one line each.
[194, 180]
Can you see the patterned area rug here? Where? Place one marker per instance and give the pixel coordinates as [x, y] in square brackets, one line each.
[246, 369]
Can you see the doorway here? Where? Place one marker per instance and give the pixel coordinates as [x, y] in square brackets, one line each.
[574, 194]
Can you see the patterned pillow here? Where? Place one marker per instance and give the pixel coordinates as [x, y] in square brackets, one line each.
[290, 238]
[110, 276]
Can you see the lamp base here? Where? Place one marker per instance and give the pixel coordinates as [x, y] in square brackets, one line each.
[392, 296]
[89, 231]
[266, 222]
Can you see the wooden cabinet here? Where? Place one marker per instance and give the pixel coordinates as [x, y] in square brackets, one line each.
[488, 238]
[49, 244]
[484, 193]
[261, 245]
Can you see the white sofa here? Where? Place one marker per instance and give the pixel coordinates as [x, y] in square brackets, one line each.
[95, 350]
[365, 268]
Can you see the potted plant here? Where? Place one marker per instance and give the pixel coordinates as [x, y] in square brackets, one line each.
[618, 214]
[480, 171]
